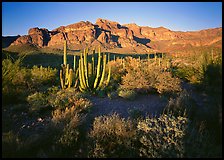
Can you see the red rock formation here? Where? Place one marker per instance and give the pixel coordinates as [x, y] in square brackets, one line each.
[111, 34]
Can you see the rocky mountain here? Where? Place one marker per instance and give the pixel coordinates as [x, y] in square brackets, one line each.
[112, 35]
[7, 40]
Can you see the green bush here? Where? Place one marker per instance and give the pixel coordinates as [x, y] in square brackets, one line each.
[112, 137]
[37, 101]
[162, 137]
[127, 94]
[68, 98]
[14, 81]
[67, 130]
[181, 105]
[10, 145]
[42, 75]
[147, 77]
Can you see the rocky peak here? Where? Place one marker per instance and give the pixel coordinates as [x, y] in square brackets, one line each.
[107, 24]
[112, 35]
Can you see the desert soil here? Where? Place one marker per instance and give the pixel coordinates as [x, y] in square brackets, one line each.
[146, 105]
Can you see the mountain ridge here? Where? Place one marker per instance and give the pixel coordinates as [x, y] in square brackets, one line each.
[113, 35]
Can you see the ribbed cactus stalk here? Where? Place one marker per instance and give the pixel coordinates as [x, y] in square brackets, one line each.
[98, 69]
[66, 74]
[155, 57]
[109, 72]
[159, 61]
[70, 78]
[65, 52]
[74, 63]
[94, 81]
[212, 56]
[61, 80]
[93, 63]
[86, 66]
[81, 82]
[66, 77]
[103, 72]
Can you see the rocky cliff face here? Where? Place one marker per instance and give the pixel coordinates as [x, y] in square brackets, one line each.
[109, 35]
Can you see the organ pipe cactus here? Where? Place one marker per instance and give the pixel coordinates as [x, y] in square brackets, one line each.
[65, 73]
[94, 81]
[65, 52]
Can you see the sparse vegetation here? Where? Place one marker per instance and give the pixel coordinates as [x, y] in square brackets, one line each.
[43, 120]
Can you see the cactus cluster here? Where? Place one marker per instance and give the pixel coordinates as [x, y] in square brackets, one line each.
[65, 73]
[87, 76]
[92, 79]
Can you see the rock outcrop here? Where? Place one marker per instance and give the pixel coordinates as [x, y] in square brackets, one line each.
[111, 34]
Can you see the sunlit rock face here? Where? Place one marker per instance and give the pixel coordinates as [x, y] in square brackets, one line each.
[110, 34]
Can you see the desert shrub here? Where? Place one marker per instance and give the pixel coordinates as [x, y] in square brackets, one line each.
[203, 70]
[127, 94]
[67, 127]
[14, 80]
[67, 121]
[112, 136]
[212, 79]
[166, 83]
[37, 101]
[162, 136]
[182, 104]
[117, 71]
[189, 73]
[68, 98]
[147, 77]
[42, 75]
[136, 77]
[200, 142]
[10, 144]
[135, 113]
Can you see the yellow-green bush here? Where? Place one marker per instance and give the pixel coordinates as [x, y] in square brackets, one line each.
[182, 104]
[68, 98]
[14, 80]
[127, 94]
[162, 137]
[43, 75]
[147, 77]
[37, 101]
[67, 122]
[112, 136]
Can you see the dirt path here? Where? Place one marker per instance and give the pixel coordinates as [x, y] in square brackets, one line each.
[146, 104]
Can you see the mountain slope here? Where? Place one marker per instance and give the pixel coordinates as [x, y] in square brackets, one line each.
[113, 36]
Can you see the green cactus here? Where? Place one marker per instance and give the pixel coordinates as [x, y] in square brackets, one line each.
[65, 73]
[66, 76]
[159, 61]
[65, 52]
[94, 81]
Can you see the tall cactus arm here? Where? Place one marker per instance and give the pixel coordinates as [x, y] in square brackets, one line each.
[70, 78]
[66, 74]
[103, 72]
[61, 80]
[86, 66]
[74, 63]
[98, 70]
[82, 70]
[109, 74]
[80, 76]
[65, 52]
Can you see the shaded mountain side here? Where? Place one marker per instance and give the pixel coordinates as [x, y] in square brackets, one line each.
[7, 40]
[111, 35]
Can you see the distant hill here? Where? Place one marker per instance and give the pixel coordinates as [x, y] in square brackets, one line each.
[7, 40]
[112, 36]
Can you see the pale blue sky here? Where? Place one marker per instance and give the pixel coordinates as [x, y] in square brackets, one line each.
[18, 17]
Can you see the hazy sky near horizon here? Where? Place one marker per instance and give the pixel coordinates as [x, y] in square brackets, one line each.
[19, 17]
